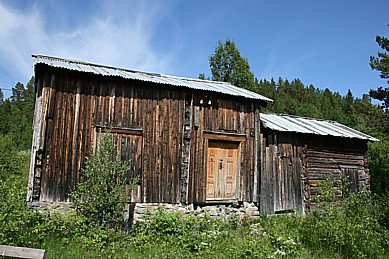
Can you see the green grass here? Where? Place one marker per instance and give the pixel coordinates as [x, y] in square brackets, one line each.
[354, 228]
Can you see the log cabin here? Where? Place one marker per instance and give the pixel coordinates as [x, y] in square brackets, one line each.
[188, 141]
[298, 153]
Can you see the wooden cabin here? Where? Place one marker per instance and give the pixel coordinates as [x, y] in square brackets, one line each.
[189, 141]
[298, 153]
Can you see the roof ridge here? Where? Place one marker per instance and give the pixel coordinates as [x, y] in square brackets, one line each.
[192, 83]
[302, 117]
[128, 70]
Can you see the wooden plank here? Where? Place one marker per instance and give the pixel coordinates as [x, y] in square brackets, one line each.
[179, 149]
[170, 149]
[82, 135]
[57, 157]
[63, 140]
[224, 136]
[22, 252]
[120, 130]
[49, 80]
[112, 107]
[36, 126]
[68, 147]
[325, 161]
[202, 161]
[257, 146]
[334, 155]
[119, 106]
[142, 105]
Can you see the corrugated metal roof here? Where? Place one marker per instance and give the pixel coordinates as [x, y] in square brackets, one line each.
[198, 84]
[297, 124]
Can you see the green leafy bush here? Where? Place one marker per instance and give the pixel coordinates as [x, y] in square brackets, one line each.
[9, 159]
[104, 190]
[379, 166]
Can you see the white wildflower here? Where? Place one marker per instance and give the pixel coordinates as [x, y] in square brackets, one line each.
[279, 252]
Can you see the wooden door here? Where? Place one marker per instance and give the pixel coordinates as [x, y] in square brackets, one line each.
[222, 170]
[281, 183]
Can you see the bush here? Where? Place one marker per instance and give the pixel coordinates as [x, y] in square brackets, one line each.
[9, 159]
[17, 221]
[350, 228]
[189, 234]
[379, 167]
[104, 190]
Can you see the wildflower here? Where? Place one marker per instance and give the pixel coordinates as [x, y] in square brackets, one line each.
[279, 252]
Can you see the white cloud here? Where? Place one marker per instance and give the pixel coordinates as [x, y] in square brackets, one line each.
[120, 34]
[19, 34]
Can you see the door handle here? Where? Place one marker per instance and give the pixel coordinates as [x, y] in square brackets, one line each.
[221, 164]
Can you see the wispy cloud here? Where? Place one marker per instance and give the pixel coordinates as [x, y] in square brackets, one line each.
[120, 34]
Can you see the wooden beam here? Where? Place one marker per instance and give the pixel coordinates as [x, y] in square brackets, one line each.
[120, 130]
[22, 252]
[224, 136]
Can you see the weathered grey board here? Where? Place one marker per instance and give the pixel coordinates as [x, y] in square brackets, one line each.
[22, 252]
[281, 181]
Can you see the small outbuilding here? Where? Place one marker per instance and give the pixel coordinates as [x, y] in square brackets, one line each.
[298, 153]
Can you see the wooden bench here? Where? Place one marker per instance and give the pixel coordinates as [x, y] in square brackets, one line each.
[21, 252]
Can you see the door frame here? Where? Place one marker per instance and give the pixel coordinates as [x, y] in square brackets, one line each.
[225, 137]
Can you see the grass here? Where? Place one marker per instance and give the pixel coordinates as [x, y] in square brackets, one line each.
[354, 228]
[268, 237]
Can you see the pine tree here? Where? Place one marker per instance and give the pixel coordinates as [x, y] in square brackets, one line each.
[381, 63]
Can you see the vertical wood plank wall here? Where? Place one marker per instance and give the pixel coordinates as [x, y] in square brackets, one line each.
[78, 103]
[228, 116]
[74, 106]
[281, 173]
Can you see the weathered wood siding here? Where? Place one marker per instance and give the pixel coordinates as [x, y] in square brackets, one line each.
[281, 173]
[227, 120]
[340, 159]
[148, 121]
[163, 131]
[292, 165]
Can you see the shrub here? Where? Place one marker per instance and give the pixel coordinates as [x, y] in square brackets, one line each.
[349, 228]
[17, 221]
[9, 159]
[103, 191]
[190, 234]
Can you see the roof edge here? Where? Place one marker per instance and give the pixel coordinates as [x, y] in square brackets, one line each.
[233, 91]
[303, 127]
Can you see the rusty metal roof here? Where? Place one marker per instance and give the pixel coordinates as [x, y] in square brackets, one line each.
[197, 84]
[289, 123]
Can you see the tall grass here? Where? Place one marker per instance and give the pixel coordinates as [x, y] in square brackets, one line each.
[353, 228]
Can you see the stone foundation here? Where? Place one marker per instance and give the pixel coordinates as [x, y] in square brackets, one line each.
[242, 210]
[137, 211]
[60, 207]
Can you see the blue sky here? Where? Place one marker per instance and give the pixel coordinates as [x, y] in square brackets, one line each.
[324, 43]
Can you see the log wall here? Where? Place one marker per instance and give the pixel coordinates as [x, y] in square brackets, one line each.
[341, 159]
[293, 165]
